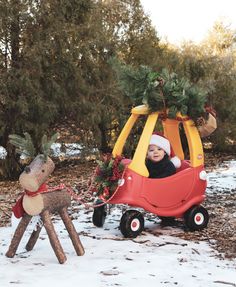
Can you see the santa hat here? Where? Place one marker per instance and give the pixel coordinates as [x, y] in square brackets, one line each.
[163, 142]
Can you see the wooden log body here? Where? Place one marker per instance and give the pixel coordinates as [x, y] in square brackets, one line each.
[36, 173]
[52, 201]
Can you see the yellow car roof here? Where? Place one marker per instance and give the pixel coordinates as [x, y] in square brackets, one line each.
[171, 131]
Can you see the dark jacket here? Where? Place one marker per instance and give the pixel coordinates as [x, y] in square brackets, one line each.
[160, 169]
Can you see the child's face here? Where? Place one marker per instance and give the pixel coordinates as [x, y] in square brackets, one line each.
[155, 153]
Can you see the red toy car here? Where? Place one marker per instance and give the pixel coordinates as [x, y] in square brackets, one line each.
[176, 196]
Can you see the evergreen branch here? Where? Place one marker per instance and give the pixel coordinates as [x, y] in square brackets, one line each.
[160, 91]
[47, 143]
[24, 146]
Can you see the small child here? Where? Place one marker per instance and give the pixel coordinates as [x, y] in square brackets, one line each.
[158, 160]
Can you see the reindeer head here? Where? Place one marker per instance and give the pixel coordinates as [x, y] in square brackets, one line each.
[36, 173]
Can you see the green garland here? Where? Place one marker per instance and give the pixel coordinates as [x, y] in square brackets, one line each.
[108, 173]
[161, 91]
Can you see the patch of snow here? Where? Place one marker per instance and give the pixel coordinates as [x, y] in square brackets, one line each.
[56, 149]
[69, 150]
[73, 149]
[162, 260]
[3, 152]
[223, 177]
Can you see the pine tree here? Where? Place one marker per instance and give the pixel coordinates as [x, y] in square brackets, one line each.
[116, 28]
[40, 82]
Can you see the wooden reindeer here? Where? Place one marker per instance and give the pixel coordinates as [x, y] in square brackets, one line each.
[38, 200]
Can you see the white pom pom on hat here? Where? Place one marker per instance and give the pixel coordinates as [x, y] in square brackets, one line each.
[176, 161]
[162, 142]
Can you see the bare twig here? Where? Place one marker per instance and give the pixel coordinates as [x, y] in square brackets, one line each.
[224, 282]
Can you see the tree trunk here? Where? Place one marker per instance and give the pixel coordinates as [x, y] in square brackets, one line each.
[104, 148]
[15, 35]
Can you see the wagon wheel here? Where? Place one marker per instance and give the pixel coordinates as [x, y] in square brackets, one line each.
[99, 214]
[196, 218]
[131, 223]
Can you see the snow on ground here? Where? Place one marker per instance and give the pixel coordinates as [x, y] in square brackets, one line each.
[223, 177]
[109, 260]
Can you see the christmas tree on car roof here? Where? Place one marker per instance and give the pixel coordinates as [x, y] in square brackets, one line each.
[162, 91]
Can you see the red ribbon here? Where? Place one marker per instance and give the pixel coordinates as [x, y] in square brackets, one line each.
[42, 188]
[180, 119]
[18, 209]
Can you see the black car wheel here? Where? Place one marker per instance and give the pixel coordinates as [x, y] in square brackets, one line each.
[196, 218]
[99, 214]
[131, 223]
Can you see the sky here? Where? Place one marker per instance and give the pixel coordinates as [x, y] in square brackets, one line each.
[180, 20]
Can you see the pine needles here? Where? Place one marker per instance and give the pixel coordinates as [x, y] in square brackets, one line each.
[26, 148]
[47, 143]
[24, 145]
[160, 91]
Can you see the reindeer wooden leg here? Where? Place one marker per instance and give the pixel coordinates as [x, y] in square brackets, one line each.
[18, 235]
[72, 231]
[53, 236]
[33, 238]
